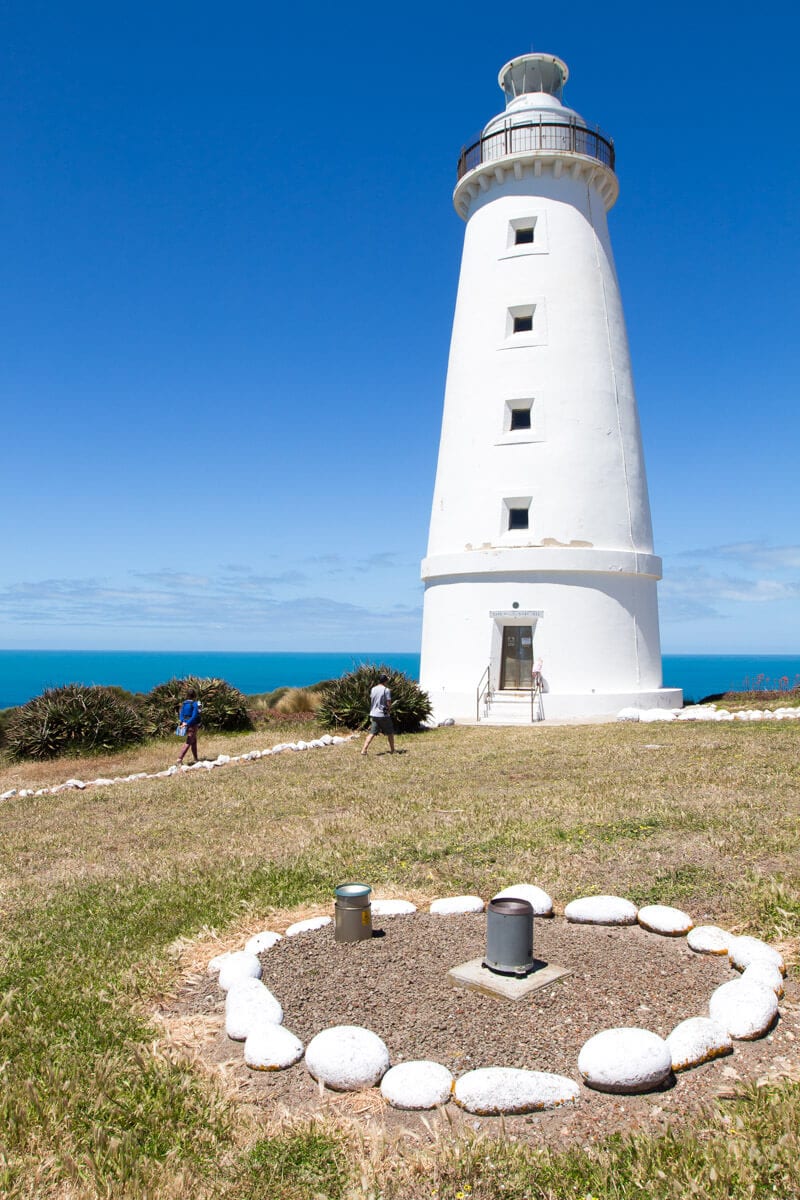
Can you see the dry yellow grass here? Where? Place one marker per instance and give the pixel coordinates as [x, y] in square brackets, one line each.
[152, 756]
[706, 810]
[299, 700]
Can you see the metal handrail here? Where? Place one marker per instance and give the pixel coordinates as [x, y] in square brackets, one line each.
[483, 692]
[537, 705]
[537, 135]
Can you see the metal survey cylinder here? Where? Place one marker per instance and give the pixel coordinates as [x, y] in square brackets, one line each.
[509, 937]
[353, 912]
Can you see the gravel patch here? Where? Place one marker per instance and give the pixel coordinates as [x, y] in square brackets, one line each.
[396, 985]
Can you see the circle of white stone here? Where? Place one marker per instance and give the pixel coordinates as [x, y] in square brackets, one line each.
[752, 950]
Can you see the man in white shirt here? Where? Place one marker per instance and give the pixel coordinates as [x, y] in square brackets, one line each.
[380, 708]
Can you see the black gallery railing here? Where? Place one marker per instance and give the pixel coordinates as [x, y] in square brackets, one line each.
[539, 135]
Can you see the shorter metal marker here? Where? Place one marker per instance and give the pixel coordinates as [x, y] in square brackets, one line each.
[353, 912]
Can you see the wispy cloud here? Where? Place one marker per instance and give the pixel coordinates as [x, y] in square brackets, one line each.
[172, 600]
[336, 564]
[326, 560]
[176, 581]
[679, 608]
[753, 555]
[378, 562]
[711, 582]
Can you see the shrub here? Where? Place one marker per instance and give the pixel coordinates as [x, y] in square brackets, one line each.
[273, 717]
[224, 707]
[266, 700]
[299, 700]
[73, 720]
[5, 714]
[135, 699]
[346, 701]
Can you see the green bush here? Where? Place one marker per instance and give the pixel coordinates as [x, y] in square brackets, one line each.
[5, 714]
[224, 707]
[346, 700]
[73, 720]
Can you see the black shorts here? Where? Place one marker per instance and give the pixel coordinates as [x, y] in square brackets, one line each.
[381, 725]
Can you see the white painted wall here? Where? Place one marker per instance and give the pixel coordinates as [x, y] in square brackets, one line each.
[586, 560]
[575, 366]
[598, 637]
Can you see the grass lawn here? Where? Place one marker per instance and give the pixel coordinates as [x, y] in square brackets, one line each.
[99, 890]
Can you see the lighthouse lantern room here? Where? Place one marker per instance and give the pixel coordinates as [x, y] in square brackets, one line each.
[540, 567]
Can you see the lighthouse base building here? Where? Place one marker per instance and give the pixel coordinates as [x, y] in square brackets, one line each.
[589, 617]
[540, 577]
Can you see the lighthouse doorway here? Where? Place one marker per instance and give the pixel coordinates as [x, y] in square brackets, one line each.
[516, 659]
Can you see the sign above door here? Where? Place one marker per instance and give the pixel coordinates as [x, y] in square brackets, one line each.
[513, 613]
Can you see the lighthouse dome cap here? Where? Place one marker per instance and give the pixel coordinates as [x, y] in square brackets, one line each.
[533, 73]
[532, 85]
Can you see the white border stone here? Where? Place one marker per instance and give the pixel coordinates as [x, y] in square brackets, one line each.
[260, 942]
[248, 1006]
[452, 905]
[709, 939]
[625, 1060]
[204, 765]
[347, 1058]
[238, 965]
[540, 902]
[392, 908]
[746, 950]
[272, 1048]
[216, 962]
[307, 926]
[766, 973]
[489, 1091]
[698, 1040]
[746, 1010]
[601, 910]
[665, 920]
[416, 1085]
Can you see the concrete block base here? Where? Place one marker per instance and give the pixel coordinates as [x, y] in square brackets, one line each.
[477, 978]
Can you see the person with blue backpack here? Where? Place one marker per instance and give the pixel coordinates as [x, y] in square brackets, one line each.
[188, 725]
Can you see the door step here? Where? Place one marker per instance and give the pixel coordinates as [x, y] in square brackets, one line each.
[509, 707]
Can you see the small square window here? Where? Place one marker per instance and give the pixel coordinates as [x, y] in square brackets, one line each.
[518, 518]
[525, 325]
[526, 234]
[520, 418]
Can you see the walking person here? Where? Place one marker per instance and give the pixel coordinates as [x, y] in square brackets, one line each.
[380, 708]
[189, 718]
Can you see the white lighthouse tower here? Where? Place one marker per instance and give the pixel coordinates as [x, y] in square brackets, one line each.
[540, 545]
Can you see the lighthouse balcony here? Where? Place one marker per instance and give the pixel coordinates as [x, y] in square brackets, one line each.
[537, 137]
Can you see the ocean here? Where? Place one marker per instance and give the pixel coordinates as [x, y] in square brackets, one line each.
[26, 673]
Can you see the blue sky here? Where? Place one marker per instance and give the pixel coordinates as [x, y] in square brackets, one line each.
[229, 268]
